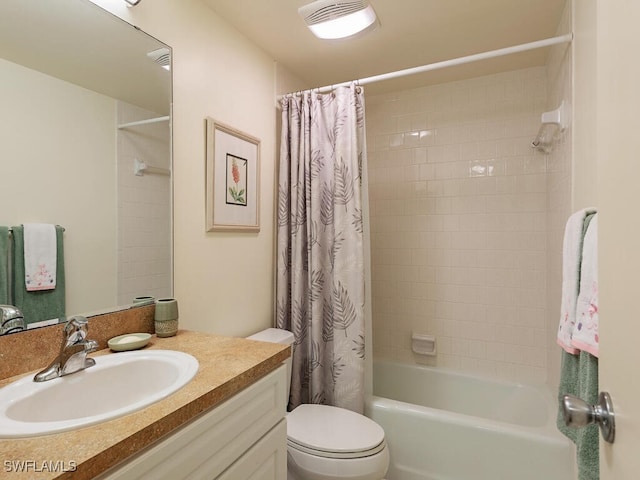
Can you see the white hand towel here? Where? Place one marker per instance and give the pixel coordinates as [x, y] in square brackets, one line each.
[571, 258]
[40, 258]
[585, 333]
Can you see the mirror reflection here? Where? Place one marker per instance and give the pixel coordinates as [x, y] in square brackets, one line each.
[86, 146]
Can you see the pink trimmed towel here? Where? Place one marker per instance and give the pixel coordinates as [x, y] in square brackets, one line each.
[585, 333]
[40, 257]
[571, 259]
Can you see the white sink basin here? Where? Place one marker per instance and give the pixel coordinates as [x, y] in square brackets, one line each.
[118, 384]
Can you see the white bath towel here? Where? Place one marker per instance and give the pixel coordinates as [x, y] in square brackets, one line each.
[40, 257]
[571, 259]
[585, 333]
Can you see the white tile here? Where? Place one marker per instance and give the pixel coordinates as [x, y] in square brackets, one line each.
[396, 140]
[486, 185]
[436, 153]
[496, 167]
[412, 139]
[403, 124]
[411, 173]
[451, 187]
[469, 151]
[427, 137]
[451, 153]
[418, 122]
[381, 142]
[444, 135]
[427, 171]
[477, 168]
[420, 155]
[444, 171]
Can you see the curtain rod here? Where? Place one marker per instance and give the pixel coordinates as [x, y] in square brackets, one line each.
[454, 62]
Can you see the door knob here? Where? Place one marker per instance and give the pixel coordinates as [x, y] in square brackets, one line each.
[578, 413]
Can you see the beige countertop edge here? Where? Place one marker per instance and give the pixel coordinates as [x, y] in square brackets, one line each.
[227, 365]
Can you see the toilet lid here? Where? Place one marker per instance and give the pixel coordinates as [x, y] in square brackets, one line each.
[333, 430]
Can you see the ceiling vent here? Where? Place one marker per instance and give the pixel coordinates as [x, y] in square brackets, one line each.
[331, 19]
[162, 57]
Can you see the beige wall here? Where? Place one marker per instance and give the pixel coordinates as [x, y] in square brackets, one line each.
[223, 281]
[585, 191]
[572, 165]
[51, 180]
[286, 82]
[618, 99]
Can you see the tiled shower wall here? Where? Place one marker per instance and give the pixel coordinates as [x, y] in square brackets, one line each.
[458, 224]
[144, 208]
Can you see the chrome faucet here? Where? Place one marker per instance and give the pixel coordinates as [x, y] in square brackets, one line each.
[73, 353]
[11, 320]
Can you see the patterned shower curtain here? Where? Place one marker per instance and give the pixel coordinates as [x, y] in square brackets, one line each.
[320, 267]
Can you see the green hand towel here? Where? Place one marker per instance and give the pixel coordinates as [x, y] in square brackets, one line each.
[580, 378]
[4, 266]
[43, 304]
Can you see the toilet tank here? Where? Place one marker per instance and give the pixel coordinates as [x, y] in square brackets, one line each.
[277, 335]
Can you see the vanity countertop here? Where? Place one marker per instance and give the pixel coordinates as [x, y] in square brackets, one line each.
[227, 365]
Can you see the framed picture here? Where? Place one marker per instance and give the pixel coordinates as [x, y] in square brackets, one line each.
[233, 179]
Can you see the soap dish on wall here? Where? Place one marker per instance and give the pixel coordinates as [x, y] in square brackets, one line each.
[128, 341]
[422, 344]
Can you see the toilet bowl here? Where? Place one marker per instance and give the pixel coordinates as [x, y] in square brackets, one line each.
[329, 443]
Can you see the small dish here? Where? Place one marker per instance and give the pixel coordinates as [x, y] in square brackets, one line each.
[128, 341]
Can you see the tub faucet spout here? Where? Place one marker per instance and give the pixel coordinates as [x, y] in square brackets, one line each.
[73, 353]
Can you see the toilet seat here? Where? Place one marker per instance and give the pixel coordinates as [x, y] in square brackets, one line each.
[333, 432]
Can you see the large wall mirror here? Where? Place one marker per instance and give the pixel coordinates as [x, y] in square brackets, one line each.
[86, 144]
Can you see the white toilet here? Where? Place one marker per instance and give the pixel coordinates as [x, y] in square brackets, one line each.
[329, 443]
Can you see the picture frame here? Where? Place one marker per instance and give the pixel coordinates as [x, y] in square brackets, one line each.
[232, 179]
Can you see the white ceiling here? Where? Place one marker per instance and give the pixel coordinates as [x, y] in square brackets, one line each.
[412, 33]
[81, 43]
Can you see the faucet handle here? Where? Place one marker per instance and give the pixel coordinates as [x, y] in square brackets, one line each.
[77, 321]
[91, 346]
[75, 331]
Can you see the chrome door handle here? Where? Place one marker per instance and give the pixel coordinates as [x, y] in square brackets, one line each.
[578, 413]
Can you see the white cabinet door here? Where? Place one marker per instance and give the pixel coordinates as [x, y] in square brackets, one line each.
[266, 460]
[206, 447]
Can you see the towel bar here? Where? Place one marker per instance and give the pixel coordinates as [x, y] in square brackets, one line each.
[11, 230]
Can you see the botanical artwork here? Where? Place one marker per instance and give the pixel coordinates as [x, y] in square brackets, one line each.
[236, 180]
[232, 179]
[320, 277]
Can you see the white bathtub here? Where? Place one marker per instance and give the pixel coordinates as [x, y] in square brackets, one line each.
[444, 425]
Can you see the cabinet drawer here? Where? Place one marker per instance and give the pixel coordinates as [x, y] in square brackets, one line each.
[208, 445]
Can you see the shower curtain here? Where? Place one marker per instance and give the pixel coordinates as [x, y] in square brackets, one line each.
[320, 271]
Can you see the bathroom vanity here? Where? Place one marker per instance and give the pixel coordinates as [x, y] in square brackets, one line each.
[227, 423]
